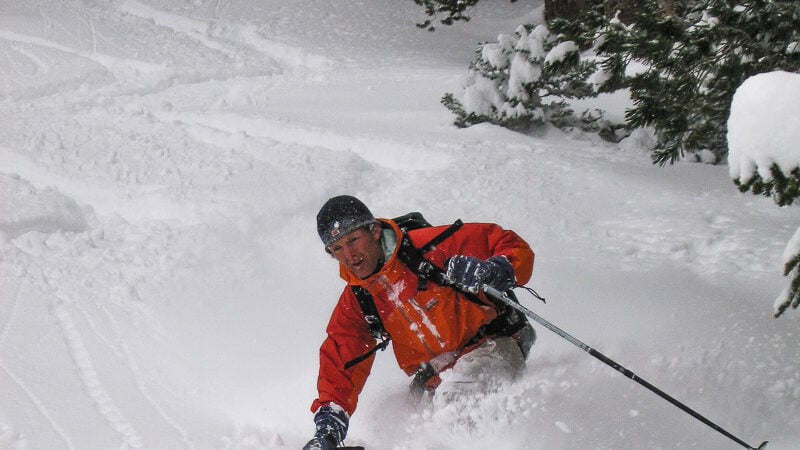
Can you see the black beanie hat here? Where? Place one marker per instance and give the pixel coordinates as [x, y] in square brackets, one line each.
[341, 215]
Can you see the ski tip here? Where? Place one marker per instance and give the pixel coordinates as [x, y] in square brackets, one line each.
[763, 445]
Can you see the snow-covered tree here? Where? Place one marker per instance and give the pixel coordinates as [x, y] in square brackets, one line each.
[764, 140]
[520, 81]
[695, 61]
[689, 57]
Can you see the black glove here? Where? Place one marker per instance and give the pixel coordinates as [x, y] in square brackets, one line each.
[469, 273]
[332, 422]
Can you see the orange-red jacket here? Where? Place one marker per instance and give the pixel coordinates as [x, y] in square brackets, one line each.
[422, 323]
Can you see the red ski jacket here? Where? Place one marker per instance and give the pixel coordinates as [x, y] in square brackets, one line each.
[422, 323]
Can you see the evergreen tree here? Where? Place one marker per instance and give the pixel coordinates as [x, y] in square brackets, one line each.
[521, 80]
[784, 188]
[790, 297]
[768, 39]
[696, 62]
[685, 68]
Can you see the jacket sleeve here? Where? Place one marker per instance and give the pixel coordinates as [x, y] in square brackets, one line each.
[481, 240]
[348, 338]
[507, 243]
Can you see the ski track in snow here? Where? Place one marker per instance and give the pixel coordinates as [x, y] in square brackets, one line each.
[122, 351]
[227, 38]
[94, 387]
[9, 435]
[10, 317]
[39, 406]
[119, 67]
[160, 169]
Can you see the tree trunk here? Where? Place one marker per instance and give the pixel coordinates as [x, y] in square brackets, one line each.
[566, 9]
[667, 6]
[571, 9]
[621, 8]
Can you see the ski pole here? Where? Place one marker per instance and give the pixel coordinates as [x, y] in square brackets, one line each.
[502, 297]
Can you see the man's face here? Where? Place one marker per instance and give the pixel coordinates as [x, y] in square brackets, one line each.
[360, 250]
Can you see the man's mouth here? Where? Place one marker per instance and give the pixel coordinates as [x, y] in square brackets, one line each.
[357, 262]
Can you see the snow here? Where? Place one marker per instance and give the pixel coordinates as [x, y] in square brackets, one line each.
[162, 284]
[481, 95]
[756, 139]
[560, 52]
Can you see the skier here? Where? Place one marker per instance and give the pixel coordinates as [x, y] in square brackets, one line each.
[447, 335]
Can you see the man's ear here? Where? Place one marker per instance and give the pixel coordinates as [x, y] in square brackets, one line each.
[376, 230]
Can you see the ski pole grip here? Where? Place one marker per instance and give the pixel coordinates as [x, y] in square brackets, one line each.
[495, 293]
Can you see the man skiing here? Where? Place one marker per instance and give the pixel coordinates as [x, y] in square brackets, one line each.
[424, 286]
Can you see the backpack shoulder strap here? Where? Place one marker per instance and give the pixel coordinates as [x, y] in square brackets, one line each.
[373, 319]
[415, 260]
[438, 239]
[370, 312]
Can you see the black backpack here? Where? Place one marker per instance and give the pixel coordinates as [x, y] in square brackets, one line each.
[508, 322]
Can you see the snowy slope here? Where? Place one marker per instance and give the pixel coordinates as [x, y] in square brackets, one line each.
[162, 285]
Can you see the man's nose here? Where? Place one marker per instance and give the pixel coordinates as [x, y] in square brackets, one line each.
[349, 254]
